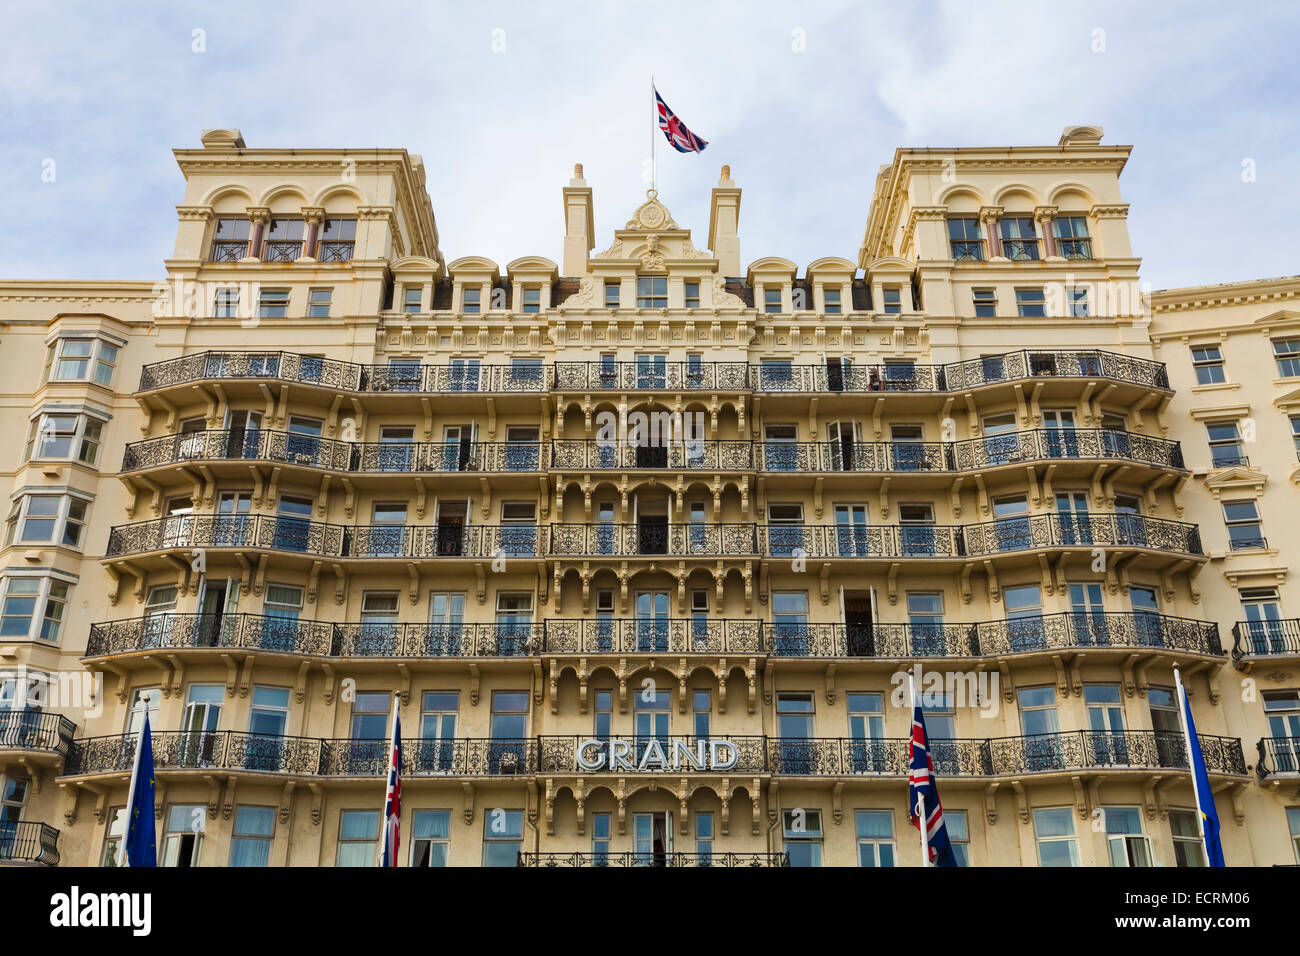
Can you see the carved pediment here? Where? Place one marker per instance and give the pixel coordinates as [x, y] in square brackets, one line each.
[651, 215]
[1236, 479]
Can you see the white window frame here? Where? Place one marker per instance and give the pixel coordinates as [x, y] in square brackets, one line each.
[101, 361]
[38, 436]
[41, 606]
[19, 514]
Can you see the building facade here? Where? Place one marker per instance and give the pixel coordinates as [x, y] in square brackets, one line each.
[644, 546]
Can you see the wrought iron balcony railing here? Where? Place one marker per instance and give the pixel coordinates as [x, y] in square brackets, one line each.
[24, 841]
[1074, 248]
[643, 376]
[334, 250]
[281, 250]
[718, 860]
[687, 455]
[280, 635]
[35, 731]
[456, 379]
[1080, 363]
[1020, 249]
[1277, 755]
[1079, 629]
[799, 379]
[1266, 637]
[787, 639]
[310, 451]
[646, 539]
[673, 636]
[225, 250]
[293, 535]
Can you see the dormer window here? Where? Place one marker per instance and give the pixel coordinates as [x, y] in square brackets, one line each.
[692, 295]
[471, 300]
[772, 300]
[283, 240]
[611, 294]
[893, 300]
[337, 240]
[230, 240]
[831, 300]
[652, 292]
[532, 298]
[412, 297]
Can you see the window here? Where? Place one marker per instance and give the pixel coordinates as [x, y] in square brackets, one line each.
[1287, 353]
[69, 437]
[370, 710]
[772, 300]
[183, 835]
[337, 238]
[225, 302]
[1226, 448]
[600, 832]
[412, 299]
[1054, 832]
[604, 712]
[704, 838]
[693, 295]
[652, 292]
[250, 841]
[73, 360]
[33, 608]
[230, 240]
[875, 829]
[964, 238]
[46, 519]
[611, 294]
[114, 833]
[503, 837]
[703, 711]
[283, 241]
[13, 798]
[893, 299]
[358, 838]
[803, 837]
[1076, 302]
[1188, 848]
[1244, 527]
[273, 303]
[1127, 845]
[1072, 240]
[318, 303]
[958, 835]
[1295, 433]
[532, 298]
[1030, 303]
[866, 716]
[986, 303]
[430, 837]
[1293, 822]
[471, 300]
[1019, 238]
[1207, 360]
[831, 300]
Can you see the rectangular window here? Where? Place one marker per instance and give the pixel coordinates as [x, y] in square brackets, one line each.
[600, 835]
[64, 437]
[1188, 848]
[337, 239]
[225, 303]
[1226, 448]
[1244, 527]
[471, 300]
[875, 829]
[430, 837]
[503, 837]
[283, 240]
[803, 837]
[250, 842]
[1019, 238]
[652, 292]
[230, 240]
[46, 519]
[772, 300]
[704, 838]
[1207, 360]
[604, 714]
[1124, 839]
[703, 712]
[611, 294]
[358, 837]
[1072, 240]
[532, 299]
[958, 835]
[964, 238]
[1076, 302]
[893, 303]
[1054, 832]
[183, 835]
[74, 360]
[1287, 353]
[831, 300]
[273, 303]
[412, 299]
[986, 303]
[1293, 822]
[114, 834]
[1030, 303]
[692, 295]
[318, 303]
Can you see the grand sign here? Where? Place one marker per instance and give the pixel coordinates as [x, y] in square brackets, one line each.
[651, 754]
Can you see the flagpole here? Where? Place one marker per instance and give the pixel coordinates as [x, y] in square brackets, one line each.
[1187, 744]
[130, 792]
[654, 121]
[384, 845]
[920, 799]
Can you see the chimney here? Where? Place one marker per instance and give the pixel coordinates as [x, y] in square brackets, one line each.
[578, 227]
[724, 223]
[222, 139]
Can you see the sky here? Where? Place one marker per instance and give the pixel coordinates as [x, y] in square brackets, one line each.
[803, 100]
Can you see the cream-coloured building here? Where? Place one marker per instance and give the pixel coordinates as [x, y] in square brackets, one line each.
[644, 543]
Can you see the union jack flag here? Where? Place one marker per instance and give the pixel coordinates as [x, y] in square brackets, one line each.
[682, 139]
[922, 787]
[393, 797]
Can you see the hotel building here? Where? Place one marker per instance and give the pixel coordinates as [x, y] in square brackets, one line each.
[643, 544]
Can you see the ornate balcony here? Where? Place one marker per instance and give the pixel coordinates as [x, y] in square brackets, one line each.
[670, 860]
[1278, 755]
[1058, 363]
[644, 376]
[309, 451]
[1096, 629]
[774, 378]
[582, 454]
[1277, 638]
[278, 635]
[23, 841]
[653, 540]
[673, 636]
[31, 733]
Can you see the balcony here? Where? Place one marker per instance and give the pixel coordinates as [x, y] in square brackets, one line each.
[28, 842]
[1278, 755]
[292, 535]
[966, 250]
[1086, 364]
[310, 451]
[669, 860]
[652, 540]
[282, 250]
[1074, 248]
[574, 454]
[228, 250]
[649, 376]
[808, 379]
[1020, 250]
[673, 636]
[279, 635]
[31, 733]
[1277, 638]
[335, 250]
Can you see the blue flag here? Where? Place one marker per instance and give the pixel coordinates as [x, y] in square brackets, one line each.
[1204, 796]
[141, 835]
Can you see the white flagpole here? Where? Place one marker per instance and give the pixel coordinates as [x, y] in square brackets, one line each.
[1187, 744]
[130, 793]
[654, 123]
[920, 800]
